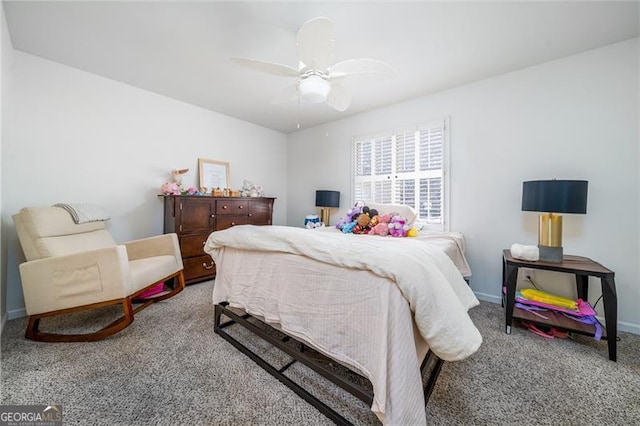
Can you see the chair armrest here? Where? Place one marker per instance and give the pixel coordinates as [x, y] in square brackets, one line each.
[160, 245]
[63, 282]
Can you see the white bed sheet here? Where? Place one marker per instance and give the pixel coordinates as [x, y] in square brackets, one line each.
[353, 316]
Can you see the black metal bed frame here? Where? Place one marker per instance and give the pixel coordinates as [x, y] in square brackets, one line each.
[299, 352]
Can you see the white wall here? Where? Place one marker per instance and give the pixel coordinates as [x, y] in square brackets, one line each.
[574, 118]
[78, 137]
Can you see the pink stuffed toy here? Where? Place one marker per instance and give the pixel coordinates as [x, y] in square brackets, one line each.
[381, 229]
[170, 188]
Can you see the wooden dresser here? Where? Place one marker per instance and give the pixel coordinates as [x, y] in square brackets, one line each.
[193, 218]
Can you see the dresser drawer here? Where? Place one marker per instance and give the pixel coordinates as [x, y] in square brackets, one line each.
[193, 218]
[201, 267]
[225, 207]
[193, 245]
[224, 222]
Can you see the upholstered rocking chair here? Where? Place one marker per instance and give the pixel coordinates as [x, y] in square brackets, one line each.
[78, 266]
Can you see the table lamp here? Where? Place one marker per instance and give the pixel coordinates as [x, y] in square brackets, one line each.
[551, 197]
[326, 200]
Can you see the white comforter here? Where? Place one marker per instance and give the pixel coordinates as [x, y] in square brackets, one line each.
[437, 294]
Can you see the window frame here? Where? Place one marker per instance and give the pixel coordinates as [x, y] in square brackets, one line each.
[446, 155]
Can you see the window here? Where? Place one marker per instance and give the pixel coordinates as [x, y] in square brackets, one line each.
[407, 166]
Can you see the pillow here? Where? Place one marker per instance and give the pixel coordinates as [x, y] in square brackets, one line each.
[407, 211]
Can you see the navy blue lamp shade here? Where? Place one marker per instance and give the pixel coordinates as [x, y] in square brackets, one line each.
[551, 197]
[327, 198]
[555, 196]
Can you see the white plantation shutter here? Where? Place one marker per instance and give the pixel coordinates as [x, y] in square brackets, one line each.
[382, 156]
[405, 167]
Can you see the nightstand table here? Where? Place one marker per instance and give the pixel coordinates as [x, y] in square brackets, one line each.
[582, 268]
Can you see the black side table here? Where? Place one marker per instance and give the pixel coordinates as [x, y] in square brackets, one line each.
[582, 268]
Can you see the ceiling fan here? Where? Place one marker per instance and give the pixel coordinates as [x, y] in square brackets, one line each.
[318, 77]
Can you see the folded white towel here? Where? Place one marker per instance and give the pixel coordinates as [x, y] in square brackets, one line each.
[520, 251]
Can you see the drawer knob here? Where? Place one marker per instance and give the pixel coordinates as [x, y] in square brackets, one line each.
[213, 215]
[204, 242]
[204, 265]
[233, 223]
[249, 215]
[241, 207]
[224, 207]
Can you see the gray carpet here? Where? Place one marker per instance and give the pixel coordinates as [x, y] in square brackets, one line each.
[169, 368]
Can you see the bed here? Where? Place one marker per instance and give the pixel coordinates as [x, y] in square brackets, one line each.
[377, 305]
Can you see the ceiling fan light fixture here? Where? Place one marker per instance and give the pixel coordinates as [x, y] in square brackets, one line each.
[314, 89]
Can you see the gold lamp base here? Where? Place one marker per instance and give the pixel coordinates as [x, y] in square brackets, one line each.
[325, 215]
[550, 237]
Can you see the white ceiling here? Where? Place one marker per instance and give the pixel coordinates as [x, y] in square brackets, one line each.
[182, 49]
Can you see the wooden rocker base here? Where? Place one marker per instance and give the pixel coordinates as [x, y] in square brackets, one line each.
[33, 333]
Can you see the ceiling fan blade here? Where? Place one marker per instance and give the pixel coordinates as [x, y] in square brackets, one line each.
[315, 44]
[338, 98]
[362, 66]
[266, 66]
[288, 94]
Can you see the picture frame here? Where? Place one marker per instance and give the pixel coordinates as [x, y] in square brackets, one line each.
[213, 174]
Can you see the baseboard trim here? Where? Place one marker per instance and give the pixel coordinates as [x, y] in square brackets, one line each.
[3, 322]
[488, 297]
[628, 327]
[17, 313]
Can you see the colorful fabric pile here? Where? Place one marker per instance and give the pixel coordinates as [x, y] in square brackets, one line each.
[534, 301]
[363, 220]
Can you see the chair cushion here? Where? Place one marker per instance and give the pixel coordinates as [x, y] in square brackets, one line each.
[43, 222]
[145, 272]
[76, 243]
[51, 231]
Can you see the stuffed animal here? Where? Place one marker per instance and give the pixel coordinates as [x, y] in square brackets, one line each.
[351, 216]
[348, 227]
[249, 189]
[364, 220]
[177, 177]
[170, 188]
[381, 229]
[398, 226]
[354, 212]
